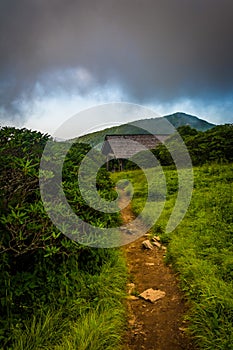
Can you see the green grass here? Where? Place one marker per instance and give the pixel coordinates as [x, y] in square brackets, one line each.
[94, 320]
[201, 250]
[96, 329]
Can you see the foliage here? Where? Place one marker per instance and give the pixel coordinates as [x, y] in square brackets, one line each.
[212, 145]
[45, 276]
[93, 319]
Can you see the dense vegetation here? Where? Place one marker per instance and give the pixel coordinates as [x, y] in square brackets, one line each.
[200, 248]
[55, 293]
[214, 145]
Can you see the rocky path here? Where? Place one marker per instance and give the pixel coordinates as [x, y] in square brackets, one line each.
[155, 325]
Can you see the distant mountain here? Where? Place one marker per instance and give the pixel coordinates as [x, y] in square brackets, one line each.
[176, 119]
[154, 125]
[180, 119]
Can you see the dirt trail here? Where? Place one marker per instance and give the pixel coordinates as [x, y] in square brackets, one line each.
[159, 325]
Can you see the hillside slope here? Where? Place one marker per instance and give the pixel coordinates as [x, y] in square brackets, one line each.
[153, 124]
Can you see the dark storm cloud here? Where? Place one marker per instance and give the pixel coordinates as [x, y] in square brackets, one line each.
[162, 49]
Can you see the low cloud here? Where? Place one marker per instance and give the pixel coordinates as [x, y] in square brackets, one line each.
[160, 51]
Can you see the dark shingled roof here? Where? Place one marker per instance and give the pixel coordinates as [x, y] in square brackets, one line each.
[125, 146]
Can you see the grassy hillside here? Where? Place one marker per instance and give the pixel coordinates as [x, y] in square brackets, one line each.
[200, 248]
[176, 119]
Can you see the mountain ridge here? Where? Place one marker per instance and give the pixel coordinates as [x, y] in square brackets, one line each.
[145, 126]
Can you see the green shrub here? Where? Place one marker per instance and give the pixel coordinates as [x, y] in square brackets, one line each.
[49, 281]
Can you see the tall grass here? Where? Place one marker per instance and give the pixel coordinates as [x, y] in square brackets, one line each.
[201, 250]
[95, 320]
[98, 330]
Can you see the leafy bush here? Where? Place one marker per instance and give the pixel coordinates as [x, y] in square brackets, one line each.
[43, 272]
[212, 145]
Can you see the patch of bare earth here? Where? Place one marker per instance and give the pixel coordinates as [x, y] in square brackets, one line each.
[155, 325]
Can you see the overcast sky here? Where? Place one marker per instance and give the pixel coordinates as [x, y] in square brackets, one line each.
[58, 57]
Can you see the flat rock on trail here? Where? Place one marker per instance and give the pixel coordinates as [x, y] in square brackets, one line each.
[159, 325]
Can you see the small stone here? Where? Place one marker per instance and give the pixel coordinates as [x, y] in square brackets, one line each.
[149, 264]
[157, 244]
[152, 295]
[147, 244]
